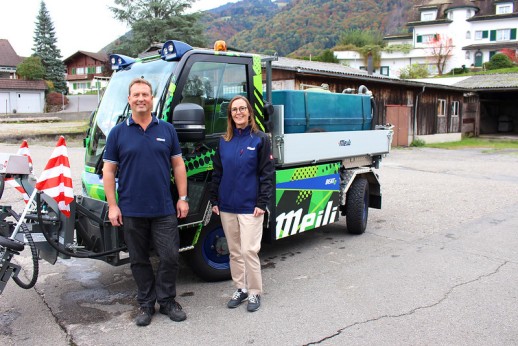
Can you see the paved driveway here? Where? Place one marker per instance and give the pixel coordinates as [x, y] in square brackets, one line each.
[437, 265]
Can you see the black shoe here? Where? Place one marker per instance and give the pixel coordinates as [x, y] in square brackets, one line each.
[237, 298]
[254, 302]
[174, 311]
[144, 316]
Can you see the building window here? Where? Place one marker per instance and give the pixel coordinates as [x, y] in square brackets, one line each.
[98, 69]
[503, 35]
[450, 15]
[80, 70]
[468, 35]
[427, 38]
[384, 70]
[427, 16]
[479, 35]
[455, 108]
[468, 55]
[441, 108]
[504, 8]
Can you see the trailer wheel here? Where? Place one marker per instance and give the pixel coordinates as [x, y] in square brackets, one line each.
[357, 206]
[210, 257]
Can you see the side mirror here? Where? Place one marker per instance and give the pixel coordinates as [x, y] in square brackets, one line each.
[189, 122]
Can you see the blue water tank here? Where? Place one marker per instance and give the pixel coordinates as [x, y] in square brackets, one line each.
[308, 111]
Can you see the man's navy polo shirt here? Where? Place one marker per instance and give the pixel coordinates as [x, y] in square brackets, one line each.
[144, 166]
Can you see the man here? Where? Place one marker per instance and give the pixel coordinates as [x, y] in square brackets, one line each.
[143, 149]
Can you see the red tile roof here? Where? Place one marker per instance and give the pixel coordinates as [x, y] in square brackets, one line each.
[20, 84]
[8, 56]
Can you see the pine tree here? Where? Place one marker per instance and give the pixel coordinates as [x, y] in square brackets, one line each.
[45, 48]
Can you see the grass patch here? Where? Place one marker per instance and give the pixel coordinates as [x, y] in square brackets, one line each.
[495, 144]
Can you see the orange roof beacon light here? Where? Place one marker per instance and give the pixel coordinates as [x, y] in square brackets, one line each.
[220, 46]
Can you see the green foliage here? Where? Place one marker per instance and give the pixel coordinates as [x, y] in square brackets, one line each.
[404, 48]
[45, 48]
[499, 61]
[414, 71]
[418, 143]
[154, 21]
[373, 50]
[327, 56]
[31, 68]
[458, 70]
[362, 38]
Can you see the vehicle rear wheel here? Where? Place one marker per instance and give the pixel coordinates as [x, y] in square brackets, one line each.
[357, 206]
[210, 257]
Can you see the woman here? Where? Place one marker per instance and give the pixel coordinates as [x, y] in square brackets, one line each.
[241, 189]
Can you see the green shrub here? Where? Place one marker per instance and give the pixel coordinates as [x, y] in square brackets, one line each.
[499, 61]
[418, 143]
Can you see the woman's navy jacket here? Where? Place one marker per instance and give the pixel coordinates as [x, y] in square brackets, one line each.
[243, 172]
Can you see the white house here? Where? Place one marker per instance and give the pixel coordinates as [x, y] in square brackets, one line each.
[473, 31]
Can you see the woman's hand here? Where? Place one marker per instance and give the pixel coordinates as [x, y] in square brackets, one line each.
[258, 212]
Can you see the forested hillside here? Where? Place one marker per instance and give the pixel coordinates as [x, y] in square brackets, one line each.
[301, 27]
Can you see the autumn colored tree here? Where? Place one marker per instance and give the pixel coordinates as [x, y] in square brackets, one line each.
[511, 53]
[441, 48]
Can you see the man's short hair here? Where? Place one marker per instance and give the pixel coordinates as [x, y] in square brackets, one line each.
[140, 81]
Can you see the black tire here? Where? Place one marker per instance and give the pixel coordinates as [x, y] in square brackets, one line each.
[357, 206]
[210, 259]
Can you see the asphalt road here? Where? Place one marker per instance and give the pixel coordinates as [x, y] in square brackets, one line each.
[437, 265]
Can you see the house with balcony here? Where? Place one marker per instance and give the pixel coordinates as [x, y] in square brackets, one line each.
[470, 32]
[86, 72]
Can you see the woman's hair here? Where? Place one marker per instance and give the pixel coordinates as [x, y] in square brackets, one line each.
[230, 122]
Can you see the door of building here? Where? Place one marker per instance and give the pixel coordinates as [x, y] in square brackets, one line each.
[399, 116]
[478, 59]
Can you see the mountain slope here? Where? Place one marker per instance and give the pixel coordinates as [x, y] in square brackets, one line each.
[301, 27]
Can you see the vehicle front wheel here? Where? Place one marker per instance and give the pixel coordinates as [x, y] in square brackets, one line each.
[210, 257]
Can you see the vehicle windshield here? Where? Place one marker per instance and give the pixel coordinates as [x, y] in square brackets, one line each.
[114, 107]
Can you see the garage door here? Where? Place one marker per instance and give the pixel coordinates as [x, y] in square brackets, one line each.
[29, 103]
[5, 106]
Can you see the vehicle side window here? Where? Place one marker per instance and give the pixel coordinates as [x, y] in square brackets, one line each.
[212, 85]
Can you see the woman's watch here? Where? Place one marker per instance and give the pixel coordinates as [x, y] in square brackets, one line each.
[184, 198]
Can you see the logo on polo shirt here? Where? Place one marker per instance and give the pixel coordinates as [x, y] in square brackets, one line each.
[160, 139]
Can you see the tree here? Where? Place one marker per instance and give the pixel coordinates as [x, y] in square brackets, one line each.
[327, 56]
[31, 68]
[441, 48]
[154, 21]
[45, 48]
[414, 71]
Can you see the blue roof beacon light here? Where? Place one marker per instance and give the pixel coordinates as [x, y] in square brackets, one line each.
[120, 61]
[174, 50]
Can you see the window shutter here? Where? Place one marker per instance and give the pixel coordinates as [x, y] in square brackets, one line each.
[485, 34]
[513, 34]
[492, 35]
[419, 38]
[73, 70]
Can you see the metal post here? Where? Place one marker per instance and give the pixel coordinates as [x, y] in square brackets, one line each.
[63, 100]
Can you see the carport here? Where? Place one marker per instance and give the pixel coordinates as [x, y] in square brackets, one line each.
[498, 102]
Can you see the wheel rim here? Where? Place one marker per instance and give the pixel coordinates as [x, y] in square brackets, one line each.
[215, 249]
